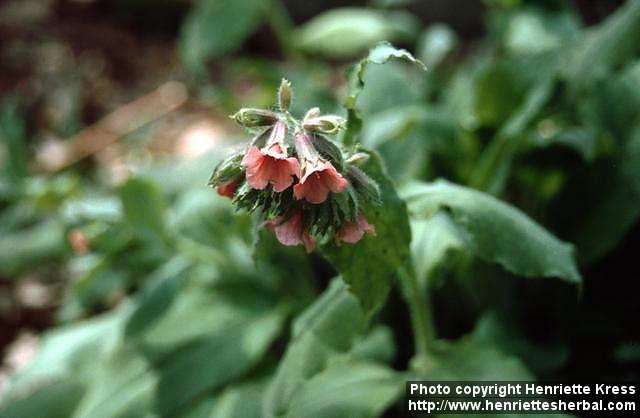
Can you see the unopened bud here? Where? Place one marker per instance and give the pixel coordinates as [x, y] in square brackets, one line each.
[251, 118]
[358, 158]
[228, 170]
[314, 112]
[328, 149]
[365, 186]
[327, 124]
[285, 95]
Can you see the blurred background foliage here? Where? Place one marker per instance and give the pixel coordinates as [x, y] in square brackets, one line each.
[128, 289]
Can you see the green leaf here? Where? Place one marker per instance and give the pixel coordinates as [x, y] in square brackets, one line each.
[377, 346]
[326, 329]
[493, 168]
[436, 240]
[616, 203]
[504, 333]
[214, 28]
[380, 54]
[243, 400]
[56, 379]
[143, 208]
[240, 400]
[14, 157]
[465, 359]
[497, 232]
[408, 136]
[21, 250]
[161, 291]
[56, 400]
[530, 32]
[604, 47]
[197, 346]
[369, 266]
[347, 389]
[345, 32]
[470, 360]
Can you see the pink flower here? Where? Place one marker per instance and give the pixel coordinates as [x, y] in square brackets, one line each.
[270, 165]
[292, 232]
[352, 232]
[319, 176]
[228, 189]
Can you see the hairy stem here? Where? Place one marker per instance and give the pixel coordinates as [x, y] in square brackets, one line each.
[421, 322]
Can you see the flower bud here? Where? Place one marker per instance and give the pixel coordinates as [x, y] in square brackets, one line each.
[314, 112]
[285, 95]
[365, 186]
[251, 118]
[228, 170]
[358, 159]
[327, 124]
[328, 149]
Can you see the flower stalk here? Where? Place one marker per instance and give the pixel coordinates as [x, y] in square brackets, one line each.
[421, 321]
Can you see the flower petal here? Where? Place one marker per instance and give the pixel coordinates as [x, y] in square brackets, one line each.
[313, 189]
[290, 232]
[282, 175]
[309, 241]
[334, 180]
[352, 232]
[257, 168]
[228, 189]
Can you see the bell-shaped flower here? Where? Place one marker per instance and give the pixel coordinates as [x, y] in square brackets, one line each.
[292, 231]
[271, 165]
[318, 176]
[352, 232]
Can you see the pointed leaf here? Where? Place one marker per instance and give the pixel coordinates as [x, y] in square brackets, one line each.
[497, 232]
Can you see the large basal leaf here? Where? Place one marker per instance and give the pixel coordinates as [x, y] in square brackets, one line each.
[435, 240]
[615, 207]
[157, 354]
[470, 360]
[494, 166]
[144, 208]
[503, 333]
[216, 27]
[241, 400]
[345, 32]
[55, 381]
[161, 290]
[369, 266]
[347, 389]
[465, 359]
[201, 343]
[59, 399]
[327, 331]
[605, 46]
[497, 232]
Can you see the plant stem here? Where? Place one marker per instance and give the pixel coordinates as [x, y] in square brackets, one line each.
[423, 330]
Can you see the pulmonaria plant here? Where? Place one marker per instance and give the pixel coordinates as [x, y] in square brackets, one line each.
[304, 186]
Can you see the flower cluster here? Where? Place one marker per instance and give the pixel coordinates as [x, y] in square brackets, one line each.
[304, 186]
